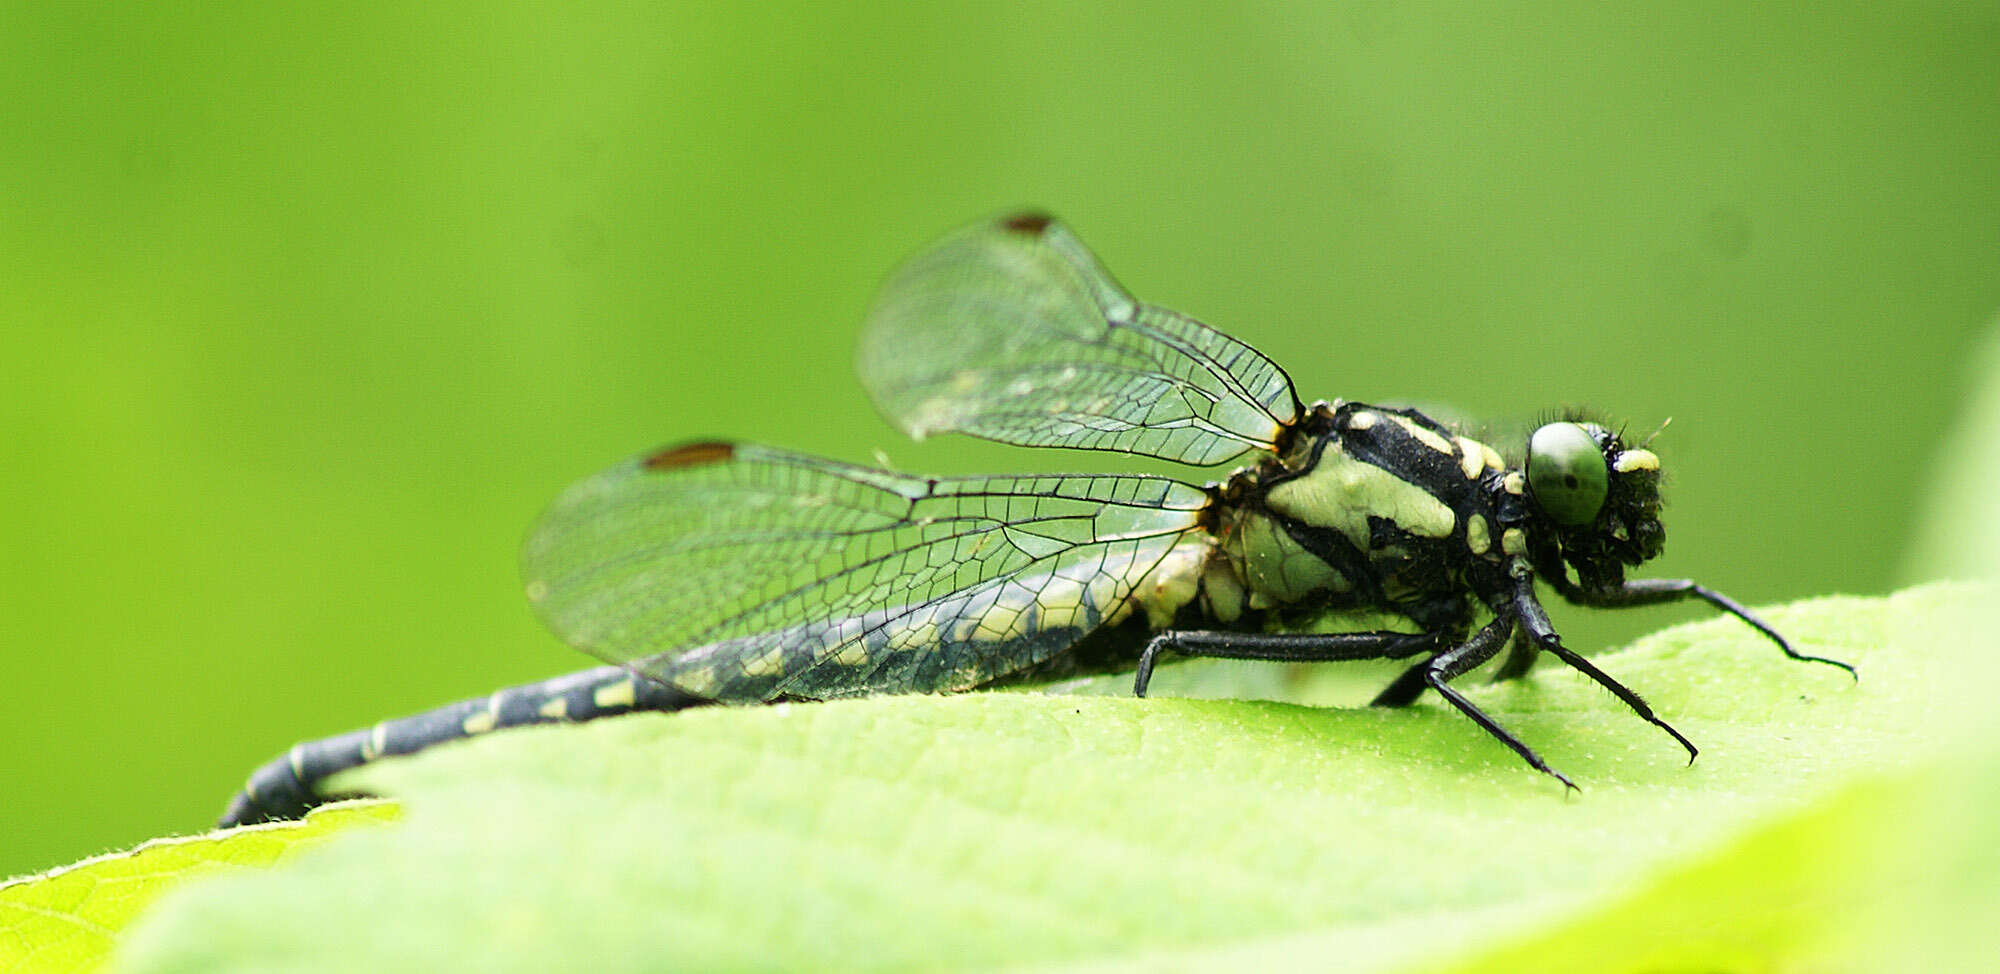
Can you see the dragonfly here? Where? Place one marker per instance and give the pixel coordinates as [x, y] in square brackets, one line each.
[735, 573]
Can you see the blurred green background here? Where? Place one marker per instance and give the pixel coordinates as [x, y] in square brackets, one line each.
[309, 312]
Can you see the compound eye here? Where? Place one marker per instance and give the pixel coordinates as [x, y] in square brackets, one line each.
[1566, 473]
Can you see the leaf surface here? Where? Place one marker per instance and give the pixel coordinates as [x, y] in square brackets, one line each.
[1026, 831]
[68, 919]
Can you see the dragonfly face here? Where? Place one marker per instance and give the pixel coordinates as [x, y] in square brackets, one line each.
[1599, 502]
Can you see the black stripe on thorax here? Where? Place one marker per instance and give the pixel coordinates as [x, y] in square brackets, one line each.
[1394, 449]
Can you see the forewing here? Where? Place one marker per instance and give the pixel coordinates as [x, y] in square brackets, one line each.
[1010, 330]
[743, 573]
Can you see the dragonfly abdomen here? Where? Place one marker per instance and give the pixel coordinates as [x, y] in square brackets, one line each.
[957, 641]
[287, 786]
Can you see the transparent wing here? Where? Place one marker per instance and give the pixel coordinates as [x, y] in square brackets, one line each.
[743, 573]
[1010, 330]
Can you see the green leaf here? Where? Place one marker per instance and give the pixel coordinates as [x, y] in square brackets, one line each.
[1013, 830]
[1895, 871]
[67, 919]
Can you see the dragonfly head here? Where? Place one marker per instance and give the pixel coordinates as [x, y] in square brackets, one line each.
[1599, 500]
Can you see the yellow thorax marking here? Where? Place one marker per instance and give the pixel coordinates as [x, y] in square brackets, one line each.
[1478, 536]
[1342, 492]
[1425, 436]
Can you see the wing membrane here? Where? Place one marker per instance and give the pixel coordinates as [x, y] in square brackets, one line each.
[1010, 330]
[744, 573]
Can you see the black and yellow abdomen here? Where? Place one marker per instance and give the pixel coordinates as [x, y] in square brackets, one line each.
[286, 786]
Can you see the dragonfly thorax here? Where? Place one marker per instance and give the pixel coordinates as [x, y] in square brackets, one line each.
[1370, 507]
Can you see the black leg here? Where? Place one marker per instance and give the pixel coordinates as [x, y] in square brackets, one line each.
[1412, 683]
[1653, 591]
[1405, 689]
[1280, 647]
[1440, 670]
[1435, 672]
[1535, 622]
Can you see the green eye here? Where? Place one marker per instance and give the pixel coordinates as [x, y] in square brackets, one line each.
[1566, 473]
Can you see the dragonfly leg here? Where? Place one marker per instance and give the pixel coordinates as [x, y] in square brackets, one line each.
[1437, 673]
[1653, 591]
[1535, 622]
[1280, 647]
[1406, 688]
